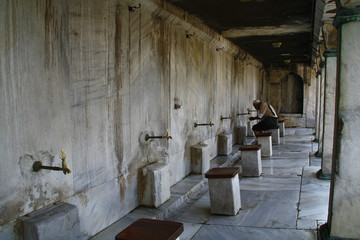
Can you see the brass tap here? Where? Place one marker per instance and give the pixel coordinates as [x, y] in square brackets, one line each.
[37, 166]
[148, 137]
[63, 156]
[203, 124]
[222, 118]
[251, 110]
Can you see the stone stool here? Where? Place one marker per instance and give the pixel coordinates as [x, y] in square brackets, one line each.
[241, 134]
[282, 127]
[225, 144]
[58, 221]
[264, 139]
[151, 229]
[154, 184]
[251, 160]
[200, 158]
[275, 135]
[224, 190]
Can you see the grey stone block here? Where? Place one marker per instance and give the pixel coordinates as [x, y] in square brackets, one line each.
[225, 144]
[154, 184]
[59, 221]
[200, 158]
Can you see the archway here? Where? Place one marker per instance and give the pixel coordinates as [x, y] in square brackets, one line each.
[292, 94]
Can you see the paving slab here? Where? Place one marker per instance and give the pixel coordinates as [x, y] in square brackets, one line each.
[216, 232]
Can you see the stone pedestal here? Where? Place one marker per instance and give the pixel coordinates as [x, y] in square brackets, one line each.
[224, 144]
[224, 190]
[59, 221]
[200, 158]
[275, 135]
[264, 139]
[282, 127]
[251, 160]
[154, 184]
[241, 133]
[151, 229]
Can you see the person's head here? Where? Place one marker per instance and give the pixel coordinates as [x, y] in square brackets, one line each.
[256, 104]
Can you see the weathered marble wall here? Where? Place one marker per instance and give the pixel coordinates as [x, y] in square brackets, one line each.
[90, 77]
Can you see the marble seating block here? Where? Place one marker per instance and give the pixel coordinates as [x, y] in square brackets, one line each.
[59, 221]
[282, 127]
[251, 160]
[275, 135]
[224, 190]
[225, 144]
[151, 229]
[264, 139]
[241, 134]
[200, 158]
[154, 184]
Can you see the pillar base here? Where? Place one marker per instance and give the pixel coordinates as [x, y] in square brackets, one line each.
[323, 233]
[318, 154]
[322, 176]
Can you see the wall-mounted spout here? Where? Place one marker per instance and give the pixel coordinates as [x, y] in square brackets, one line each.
[222, 118]
[133, 8]
[249, 111]
[37, 166]
[148, 137]
[204, 124]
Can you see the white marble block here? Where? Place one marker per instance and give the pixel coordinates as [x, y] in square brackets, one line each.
[251, 160]
[224, 190]
[264, 139]
[59, 221]
[275, 136]
[200, 158]
[154, 184]
[282, 127]
[224, 144]
[241, 134]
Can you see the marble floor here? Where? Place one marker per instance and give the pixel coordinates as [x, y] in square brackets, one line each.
[286, 202]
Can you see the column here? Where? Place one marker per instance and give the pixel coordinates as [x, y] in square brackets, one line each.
[321, 111]
[344, 204]
[329, 114]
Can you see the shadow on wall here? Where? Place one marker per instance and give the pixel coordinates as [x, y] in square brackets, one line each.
[292, 94]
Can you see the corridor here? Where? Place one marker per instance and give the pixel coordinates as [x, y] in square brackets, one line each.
[286, 202]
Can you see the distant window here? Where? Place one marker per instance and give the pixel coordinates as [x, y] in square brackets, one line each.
[292, 94]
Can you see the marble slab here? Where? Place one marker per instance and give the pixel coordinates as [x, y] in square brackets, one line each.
[263, 209]
[268, 183]
[216, 232]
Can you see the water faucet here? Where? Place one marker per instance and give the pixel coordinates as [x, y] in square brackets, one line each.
[222, 118]
[203, 124]
[148, 137]
[37, 166]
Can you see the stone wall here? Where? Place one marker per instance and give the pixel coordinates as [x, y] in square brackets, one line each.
[90, 77]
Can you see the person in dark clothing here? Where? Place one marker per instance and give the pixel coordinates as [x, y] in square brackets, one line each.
[267, 116]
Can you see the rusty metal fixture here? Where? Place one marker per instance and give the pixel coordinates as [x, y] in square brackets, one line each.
[148, 137]
[188, 35]
[37, 166]
[204, 124]
[133, 8]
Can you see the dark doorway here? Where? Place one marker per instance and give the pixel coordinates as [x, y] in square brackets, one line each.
[292, 94]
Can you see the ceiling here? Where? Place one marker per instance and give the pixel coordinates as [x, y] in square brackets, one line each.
[273, 31]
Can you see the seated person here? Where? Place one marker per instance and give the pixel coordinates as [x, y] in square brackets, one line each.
[266, 115]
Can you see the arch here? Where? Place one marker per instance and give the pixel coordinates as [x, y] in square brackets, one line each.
[292, 94]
